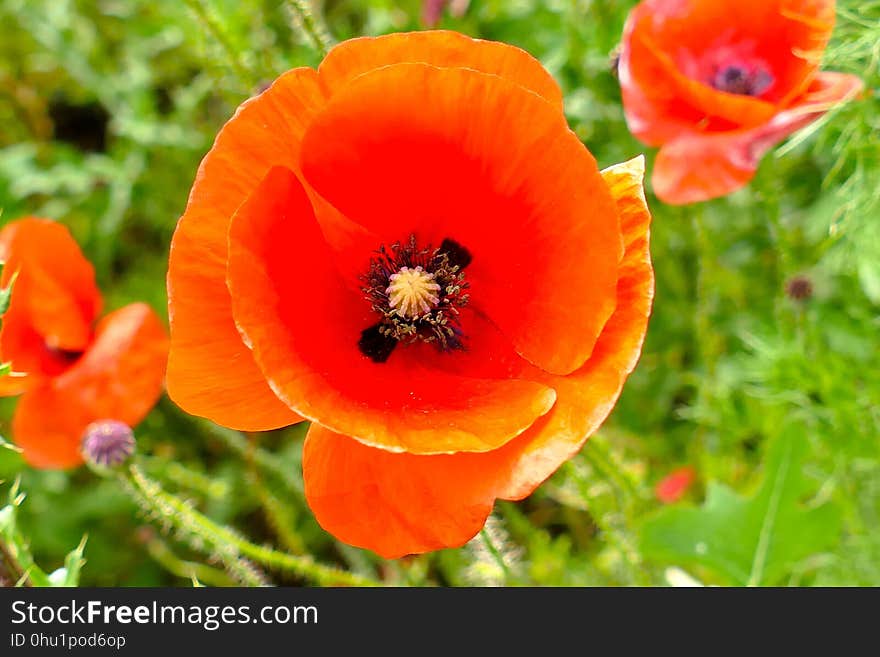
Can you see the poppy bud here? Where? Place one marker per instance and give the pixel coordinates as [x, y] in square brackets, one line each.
[799, 288]
[108, 443]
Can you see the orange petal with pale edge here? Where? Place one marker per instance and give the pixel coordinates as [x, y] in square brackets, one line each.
[120, 377]
[397, 504]
[394, 504]
[455, 153]
[439, 48]
[304, 324]
[701, 166]
[55, 296]
[586, 397]
[210, 371]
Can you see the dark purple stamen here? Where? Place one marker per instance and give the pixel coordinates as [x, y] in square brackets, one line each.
[438, 321]
[108, 442]
[458, 255]
[736, 79]
[376, 345]
[65, 356]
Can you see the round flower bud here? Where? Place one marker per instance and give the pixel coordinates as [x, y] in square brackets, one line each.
[108, 442]
[799, 288]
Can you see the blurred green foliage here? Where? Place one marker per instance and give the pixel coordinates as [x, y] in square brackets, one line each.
[107, 106]
[17, 566]
[748, 541]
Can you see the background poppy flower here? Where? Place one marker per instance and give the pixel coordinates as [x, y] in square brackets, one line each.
[716, 85]
[410, 248]
[69, 370]
[675, 485]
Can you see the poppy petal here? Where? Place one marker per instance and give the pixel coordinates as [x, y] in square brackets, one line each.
[55, 294]
[26, 349]
[660, 101]
[789, 36]
[304, 324]
[210, 371]
[699, 166]
[394, 504]
[459, 154]
[439, 48]
[120, 377]
[15, 383]
[397, 504]
[674, 48]
[586, 397]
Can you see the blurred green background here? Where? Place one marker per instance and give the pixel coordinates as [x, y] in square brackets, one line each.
[106, 108]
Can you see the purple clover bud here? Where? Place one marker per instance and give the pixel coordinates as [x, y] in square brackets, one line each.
[432, 10]
[108, 442]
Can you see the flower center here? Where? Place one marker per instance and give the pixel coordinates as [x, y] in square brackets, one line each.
[413, 292]
[742, 80]
[417, 293]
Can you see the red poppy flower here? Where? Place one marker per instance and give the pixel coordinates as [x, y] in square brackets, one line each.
[675, 485]
[716, 85]
[410, 248]
[69, 370]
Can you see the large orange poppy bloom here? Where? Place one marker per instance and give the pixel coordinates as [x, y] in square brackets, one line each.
[69, 369]
[410, 248]
[717, 84]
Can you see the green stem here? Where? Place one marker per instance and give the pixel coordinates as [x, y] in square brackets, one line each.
[172, 512]
[496, 554]
[278, 515]
[217, 32]
[603, 465]
[703, 311]
[227, 543]
[179, 475]
[317, 34]
[779, 242]
[260, 457]
[599, 457]
[190, 570]
[10, 570]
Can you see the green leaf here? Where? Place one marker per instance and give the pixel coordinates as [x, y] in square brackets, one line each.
[6, 293]
[5, 444]
[748, 540]
[73, 564]
[16, 557]
[869, 277]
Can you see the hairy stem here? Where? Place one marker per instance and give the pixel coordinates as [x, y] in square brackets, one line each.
[227, 544]
[317, 34]
[216, 30]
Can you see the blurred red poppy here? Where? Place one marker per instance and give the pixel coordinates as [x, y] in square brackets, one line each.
[675, 485]
[410, 248]
[432, 10]
[69, 370]
[718, 84]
